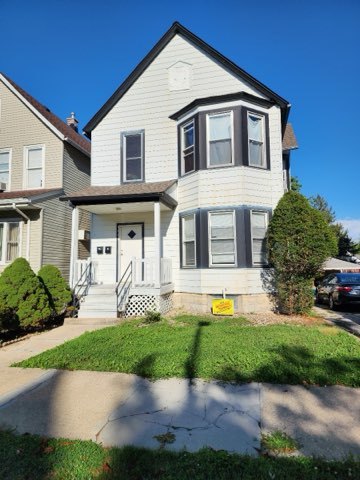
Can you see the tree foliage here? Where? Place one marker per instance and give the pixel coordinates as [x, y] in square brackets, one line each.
[57, 290]
[299, 241]
[23, 295]
[295, 184]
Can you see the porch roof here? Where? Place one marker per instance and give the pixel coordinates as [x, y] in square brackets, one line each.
[127, 193]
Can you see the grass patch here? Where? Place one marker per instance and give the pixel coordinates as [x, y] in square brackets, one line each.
[279, 442]
[32, 457]
[224, 349]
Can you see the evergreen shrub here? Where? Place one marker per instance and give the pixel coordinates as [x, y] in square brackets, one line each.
[58, 291]
[22, 293]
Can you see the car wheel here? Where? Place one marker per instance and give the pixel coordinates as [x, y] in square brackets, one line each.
[332, 303]
[318, 299]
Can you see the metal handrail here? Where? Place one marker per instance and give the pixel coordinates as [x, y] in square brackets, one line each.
[83, 282]
[123, 287]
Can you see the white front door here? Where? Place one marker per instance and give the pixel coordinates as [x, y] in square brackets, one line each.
[130, 244]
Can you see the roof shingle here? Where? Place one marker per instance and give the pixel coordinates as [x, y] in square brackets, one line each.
[289, 139]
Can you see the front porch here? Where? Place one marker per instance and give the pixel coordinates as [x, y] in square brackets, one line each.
[128, 250]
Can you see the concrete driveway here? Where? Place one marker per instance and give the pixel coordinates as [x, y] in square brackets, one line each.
[348, 318]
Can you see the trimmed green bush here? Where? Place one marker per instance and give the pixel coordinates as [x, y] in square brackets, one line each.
[299, 241]
[8, 318]
[22, 293]
[58, 291]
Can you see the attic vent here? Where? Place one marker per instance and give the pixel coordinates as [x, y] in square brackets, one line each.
[179, 76]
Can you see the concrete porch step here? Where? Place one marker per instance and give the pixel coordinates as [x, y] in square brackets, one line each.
[99, 300]
[91, 313]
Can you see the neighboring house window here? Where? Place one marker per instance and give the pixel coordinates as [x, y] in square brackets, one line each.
[34, 166]
[9, 241]
[256, 143]
[188, 241]
[220, 134]
[222, 238]
[133, 157]
[259, 221]
[187, 148]
[5, 167]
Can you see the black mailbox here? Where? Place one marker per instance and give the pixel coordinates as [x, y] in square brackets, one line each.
[100, 250]
[107, 250]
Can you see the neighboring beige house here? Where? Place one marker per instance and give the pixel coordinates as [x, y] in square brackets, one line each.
[41, 158]
[190, 156]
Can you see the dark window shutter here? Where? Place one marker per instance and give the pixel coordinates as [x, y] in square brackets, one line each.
[240, 237]
[179, 128]
[202, 239]
[267, 140]
[180, 243]
[197, 143]
[244, 137]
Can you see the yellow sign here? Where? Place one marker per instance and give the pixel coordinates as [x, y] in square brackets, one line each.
[223, 306]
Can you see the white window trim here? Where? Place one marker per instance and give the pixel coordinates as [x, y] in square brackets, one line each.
[3, 254]
[266, 214]
[123, 160]
[25, 176]
[8, 150]
[222, 265]
[214, 114]
[191, 121]
[263, 156]
[183, 240]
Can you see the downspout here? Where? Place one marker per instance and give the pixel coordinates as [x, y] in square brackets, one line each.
[28, 223]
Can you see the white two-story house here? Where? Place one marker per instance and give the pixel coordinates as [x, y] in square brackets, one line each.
[187, 165]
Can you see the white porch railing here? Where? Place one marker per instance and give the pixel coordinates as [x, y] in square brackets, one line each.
[80, 267]
[144, 272]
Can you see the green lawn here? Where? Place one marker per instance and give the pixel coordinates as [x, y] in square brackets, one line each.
[34, 458]
[225, 349]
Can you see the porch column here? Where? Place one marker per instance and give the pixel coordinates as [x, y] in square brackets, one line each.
[74, 246]
[157, 235]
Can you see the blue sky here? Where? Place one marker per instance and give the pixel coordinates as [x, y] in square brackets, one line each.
[72, 55]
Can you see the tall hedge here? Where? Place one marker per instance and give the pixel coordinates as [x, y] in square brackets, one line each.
[58, 291]
[299, 241]
[22, 293]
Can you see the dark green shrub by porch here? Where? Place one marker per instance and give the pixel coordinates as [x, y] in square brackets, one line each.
[58, 291]
[22, 293]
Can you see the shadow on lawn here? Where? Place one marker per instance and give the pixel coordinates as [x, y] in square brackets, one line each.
[192, 362]
[294, 365]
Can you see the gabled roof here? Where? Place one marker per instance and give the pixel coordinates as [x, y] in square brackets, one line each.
[64, 131]
[289, 139]
[175, 29]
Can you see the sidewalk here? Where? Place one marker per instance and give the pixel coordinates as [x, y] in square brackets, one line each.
[120, 409]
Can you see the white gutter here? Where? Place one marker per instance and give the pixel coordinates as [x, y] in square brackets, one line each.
[28, 222]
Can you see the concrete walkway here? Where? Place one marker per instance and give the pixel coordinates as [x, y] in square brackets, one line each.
[119, 409]
[347, 320]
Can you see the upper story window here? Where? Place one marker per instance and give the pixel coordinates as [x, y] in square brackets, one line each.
[256, 143]
[222, 239]
[133, 156]
[9, 241]
[4, 169]
[259, 223]
[220, 139]
[188, 241]
[34, 166]
[188, 148]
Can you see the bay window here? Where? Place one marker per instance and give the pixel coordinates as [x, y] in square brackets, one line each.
[187, 148]
[222, 238]
[133, 156]
[188, 241]
[259, 222]
[220, 139]
[256, 143]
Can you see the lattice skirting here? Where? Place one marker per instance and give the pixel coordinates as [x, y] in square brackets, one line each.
[139, 304]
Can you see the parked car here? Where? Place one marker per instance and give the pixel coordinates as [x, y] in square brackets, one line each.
[339, 289]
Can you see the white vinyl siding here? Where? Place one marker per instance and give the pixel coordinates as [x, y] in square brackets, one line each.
[259, 222]
[188, 148]
[133, 157]
[222, 238]
[256, 140]
[34, 166]
[189, 241]
[220, 139]
[9, 241]
[5, 156]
